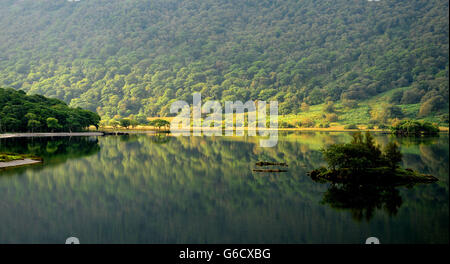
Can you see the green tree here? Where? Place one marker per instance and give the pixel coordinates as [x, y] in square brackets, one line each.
[125, 123]
[53, 124]
[392, 155]
[141, 119]
[329, 107]
[114, 123]
[33, 124]
[134, 123]
[160, 123]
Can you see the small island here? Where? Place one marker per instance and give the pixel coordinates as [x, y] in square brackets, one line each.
[363, 162]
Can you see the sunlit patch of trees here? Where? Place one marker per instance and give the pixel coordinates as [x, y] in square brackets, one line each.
[411, 127]
[361, 154]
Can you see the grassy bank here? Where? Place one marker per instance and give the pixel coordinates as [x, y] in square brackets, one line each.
[8, 157]
[374, 114]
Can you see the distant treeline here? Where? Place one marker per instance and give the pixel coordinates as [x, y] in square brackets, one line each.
[35, 113]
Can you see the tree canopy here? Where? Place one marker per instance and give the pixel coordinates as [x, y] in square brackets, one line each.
[21, 113]
[410, 127]
[361, 154]
[122, 58]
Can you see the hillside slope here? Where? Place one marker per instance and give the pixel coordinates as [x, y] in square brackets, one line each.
[137, 56]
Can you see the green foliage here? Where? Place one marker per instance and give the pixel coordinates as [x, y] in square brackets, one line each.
[349, 103]
[33, 124]
[52, 123]
[20, 113]
[331, 117]
[410, 127]
[125, 123]
[388, 112]
[7, 157]
[159, 123]
[134, 123]
[432, 104]
[306, 123]
[351, 126]
[293, 51]
[304, 107]
[141, 119]
[114, 123]
[361, 154]
[392, 154]
[412, 96]
[329, 107]
[283, 124]
[444, 119]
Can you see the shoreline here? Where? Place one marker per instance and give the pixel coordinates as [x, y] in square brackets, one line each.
[309, 129]
[147, 130]
[68, 134]
[18, 163]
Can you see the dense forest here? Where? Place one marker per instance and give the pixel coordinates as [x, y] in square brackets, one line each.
[125, 58]
[32, 113]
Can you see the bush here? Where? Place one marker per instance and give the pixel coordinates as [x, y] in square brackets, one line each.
[284, 124]
[125, 123]
[396, 97]
[331, 117]
[370, 126]
[431, 105]
[141, 119]
[444, 119]
[373, 122]
[349, 103]
[307, 123]
[304, 107]
[412, 96]
[351, 126]
[409, 127]
[382, 126]
[329, 108]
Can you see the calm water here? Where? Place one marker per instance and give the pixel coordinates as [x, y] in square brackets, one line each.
[158, 189]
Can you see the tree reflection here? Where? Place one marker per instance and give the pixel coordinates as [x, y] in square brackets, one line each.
[363, 200]
[160, 138]
[53, 150]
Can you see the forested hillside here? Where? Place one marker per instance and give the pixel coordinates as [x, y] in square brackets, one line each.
[123, 58]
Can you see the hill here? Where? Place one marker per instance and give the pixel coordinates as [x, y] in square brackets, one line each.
[123, 58]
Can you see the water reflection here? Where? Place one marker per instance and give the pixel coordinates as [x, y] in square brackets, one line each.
[147, 189]
[54, 151]
[363, 200]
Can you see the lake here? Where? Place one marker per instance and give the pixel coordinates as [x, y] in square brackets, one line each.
[164, 189]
